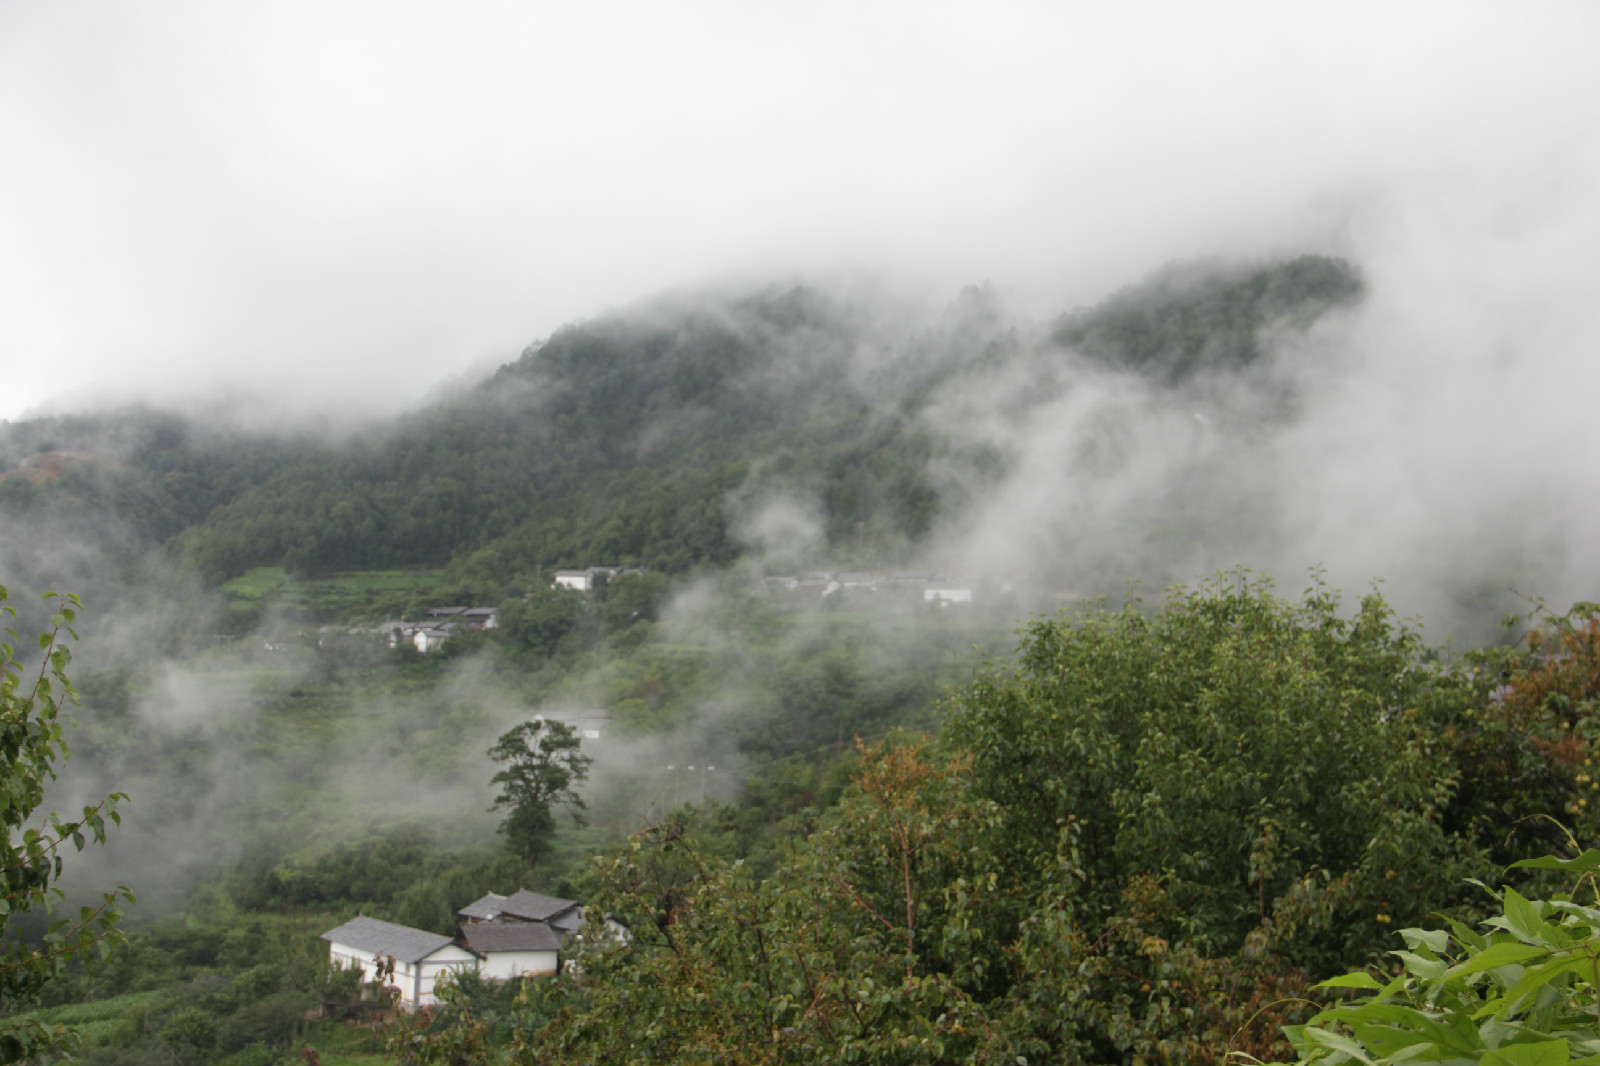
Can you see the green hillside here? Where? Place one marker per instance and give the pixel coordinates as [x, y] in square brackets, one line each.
[622, 439]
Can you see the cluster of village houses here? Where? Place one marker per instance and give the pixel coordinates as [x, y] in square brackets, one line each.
[500, 937]
[441, 623]
[935, 588]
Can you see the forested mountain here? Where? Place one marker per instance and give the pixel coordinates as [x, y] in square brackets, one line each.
[622, 439]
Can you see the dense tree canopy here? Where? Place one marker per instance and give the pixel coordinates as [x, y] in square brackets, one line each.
[1145, 835]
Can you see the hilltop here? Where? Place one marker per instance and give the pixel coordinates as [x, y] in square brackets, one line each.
[655, 436]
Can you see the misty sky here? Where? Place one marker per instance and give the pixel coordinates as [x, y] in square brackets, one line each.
[343, 203]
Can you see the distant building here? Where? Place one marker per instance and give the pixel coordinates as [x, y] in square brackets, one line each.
[581, 580]
[945, 591]
[501, 937]
[507, 951]
[432, 638]
[420, 958]
[586, 580]
[442, 624]
[587, 725]
[564, 915]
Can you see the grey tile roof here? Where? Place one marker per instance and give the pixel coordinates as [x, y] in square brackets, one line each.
[532, 907]
[486, 908]
[487, 937]
[386, 938]
[570, 922]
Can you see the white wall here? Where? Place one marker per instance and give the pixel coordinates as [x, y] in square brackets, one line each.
[507, 965]
[416, 981]
[430, 969]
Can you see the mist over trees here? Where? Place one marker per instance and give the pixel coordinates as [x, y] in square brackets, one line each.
[647, 437]
[851, 826]
[1146, 835]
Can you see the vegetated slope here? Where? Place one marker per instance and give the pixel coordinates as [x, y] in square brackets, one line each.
[617, 440]
[86, 500]
[1195, 317]
[623, 439]
[1143, 838]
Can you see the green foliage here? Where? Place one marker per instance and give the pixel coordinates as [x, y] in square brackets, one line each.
[543, 769]
[1233, 745]
[1521, 993]
[855, 951]
[1195, 318]
[1140, 838]
[537, 624]
[31, 747]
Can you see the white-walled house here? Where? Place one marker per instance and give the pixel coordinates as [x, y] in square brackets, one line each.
[586, 725]
[586, 580]
[420, 957]
[432, 638]
[582, 580]
[509, 950]
[501, 937]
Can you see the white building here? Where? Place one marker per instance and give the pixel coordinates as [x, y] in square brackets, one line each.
[431, 638]
[586, 725]
[511, 950]
[582, 580]
[586, 580]
[420, 958]
[945, 593]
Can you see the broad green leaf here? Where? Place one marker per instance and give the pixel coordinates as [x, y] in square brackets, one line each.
[1588, 914]
[1350, 980]
[1369, 1013]
[1436, 940]
[1468, 936]
[1522, 917]
[1544, 1053]
[1338, 1043]
[1392, 1042]
[1587, 863]
[1494, 955]
[1536, 977]
[1427, 969]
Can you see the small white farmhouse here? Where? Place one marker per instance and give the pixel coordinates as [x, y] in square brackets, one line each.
[430, 640]
[582, 580]
[419, 957]
[513, 949]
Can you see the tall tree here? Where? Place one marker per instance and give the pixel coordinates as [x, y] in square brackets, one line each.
[543, 768]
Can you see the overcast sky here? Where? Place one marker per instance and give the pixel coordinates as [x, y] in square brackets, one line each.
[343, 203]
